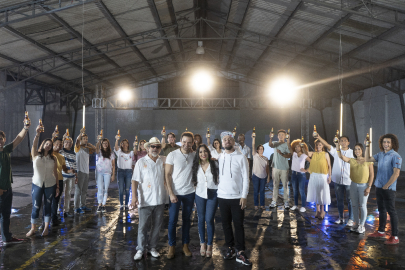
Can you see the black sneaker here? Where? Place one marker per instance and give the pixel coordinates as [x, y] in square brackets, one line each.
[67, 214]
[55, 222]
[243, 259]
[230, 254]
[99, 208]
[103, 209]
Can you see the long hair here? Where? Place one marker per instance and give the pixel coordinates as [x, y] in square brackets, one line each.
[394, 141]
[139, 145]
[196, 165]
[361, 147]
[122, 146]
[213, 144]
[105, 153]
[41, 149]
[298, 141]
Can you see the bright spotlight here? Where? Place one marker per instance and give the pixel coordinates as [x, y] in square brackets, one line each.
[125, 95]
[202, 81]
[283, 91]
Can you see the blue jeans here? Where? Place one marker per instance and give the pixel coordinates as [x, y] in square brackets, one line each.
[6, 201]
[359, 200]
[206, 209]
[103, 182]
[55, 202]
[37, 194]
[258, 188]
[174, 208]
[298, 181]
[340, 197]
[124, 184]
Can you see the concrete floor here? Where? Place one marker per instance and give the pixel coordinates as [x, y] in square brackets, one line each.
[275, 239]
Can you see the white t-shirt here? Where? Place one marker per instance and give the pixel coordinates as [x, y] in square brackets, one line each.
[298, 163]
[151, 178]
[182, 172]
[244, 150]
[341, 169]
[259, 165]
[82, 158]
[124, 160]
[204, 181]
[214, 152]
[43, 171]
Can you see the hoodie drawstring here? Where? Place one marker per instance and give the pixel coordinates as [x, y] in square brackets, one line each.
[230, 165]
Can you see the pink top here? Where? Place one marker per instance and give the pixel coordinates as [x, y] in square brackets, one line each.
[298, 163]
[138, 156]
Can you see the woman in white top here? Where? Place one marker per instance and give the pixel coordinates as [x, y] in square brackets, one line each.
[298, 177]
[105, 166]
[215, 148]
[45, 184]
[125, 167]
[205, 178]
[260, 172]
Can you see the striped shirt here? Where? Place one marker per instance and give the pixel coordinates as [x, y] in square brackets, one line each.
[70, 159]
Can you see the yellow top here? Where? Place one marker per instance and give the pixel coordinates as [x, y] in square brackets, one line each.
[318, 164]
[61, 162]
[359, 173]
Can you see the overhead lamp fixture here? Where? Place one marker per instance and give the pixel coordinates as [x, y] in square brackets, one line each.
[202, 81]
[200, 48]
[125, 94]
[283, 91]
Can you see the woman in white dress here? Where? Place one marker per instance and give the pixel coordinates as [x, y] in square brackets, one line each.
[215, 148]
[260, 172]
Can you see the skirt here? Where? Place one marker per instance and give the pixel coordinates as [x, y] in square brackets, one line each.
[318, 189]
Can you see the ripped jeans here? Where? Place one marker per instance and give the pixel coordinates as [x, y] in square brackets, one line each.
[37, 194]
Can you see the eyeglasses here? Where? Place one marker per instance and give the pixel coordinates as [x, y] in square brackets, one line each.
[155, 146]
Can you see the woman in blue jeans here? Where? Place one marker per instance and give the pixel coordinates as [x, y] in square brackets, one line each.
[205, 178]
[125, 167]
[45, 184]
[298, 178]
[105, 166]
[260, 172]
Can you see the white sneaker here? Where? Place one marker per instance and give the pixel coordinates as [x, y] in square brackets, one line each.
[294, 207]
[303, 209]
[340, 221]
[361, 229]
[273, 204]
[349, 223]
[138, 255]
[286, 205]
[354, 228]
[154, 253]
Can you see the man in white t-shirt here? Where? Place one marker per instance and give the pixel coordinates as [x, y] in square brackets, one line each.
[233, 189]
[178, 174]
[341, 177]
[149, 195]
[242, 147]
[82, 149]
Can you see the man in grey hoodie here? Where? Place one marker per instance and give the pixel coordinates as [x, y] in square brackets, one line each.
[233, 189]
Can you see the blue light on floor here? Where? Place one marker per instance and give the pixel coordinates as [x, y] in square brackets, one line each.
[13, 210]
[370, 219]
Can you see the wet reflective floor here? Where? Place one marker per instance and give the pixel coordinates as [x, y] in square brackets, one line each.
[275, 239]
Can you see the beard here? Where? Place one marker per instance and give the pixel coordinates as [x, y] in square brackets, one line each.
[154, 154]
[228, 147]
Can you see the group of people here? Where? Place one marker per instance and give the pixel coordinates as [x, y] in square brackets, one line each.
[160, 173]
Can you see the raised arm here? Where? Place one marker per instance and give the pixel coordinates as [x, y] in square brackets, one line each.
[271, 140]
[208, 139]
[98, 147]
[116, 146]
[21, 135]
[163, 139]
[79, 138]
[325, 143]
[169, 182]
[329, 168]
[253, 144]
[344, 158]
[34, 148]
[368, 157]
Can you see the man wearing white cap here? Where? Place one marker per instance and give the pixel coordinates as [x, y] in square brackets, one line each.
[150, 195]
[233, 189]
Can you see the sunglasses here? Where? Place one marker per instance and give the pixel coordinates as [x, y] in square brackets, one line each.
[155, 146]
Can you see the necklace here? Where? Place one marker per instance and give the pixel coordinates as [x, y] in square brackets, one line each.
[186, 157]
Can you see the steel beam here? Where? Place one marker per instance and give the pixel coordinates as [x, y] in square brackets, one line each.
[122, 33]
